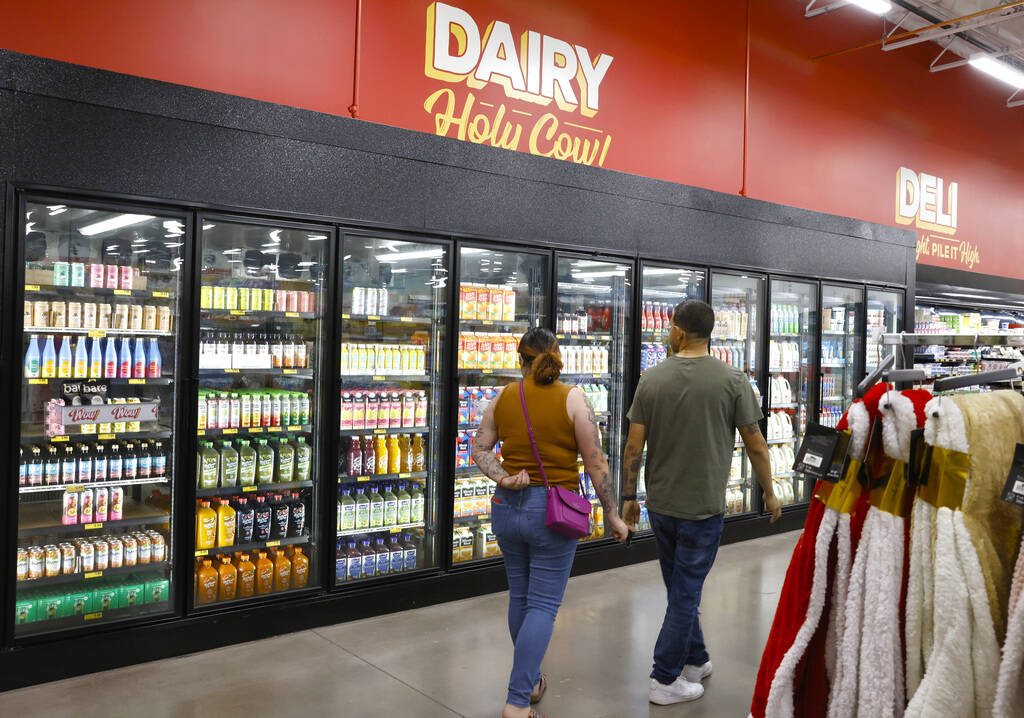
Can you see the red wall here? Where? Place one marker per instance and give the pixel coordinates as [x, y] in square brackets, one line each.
[827, 135]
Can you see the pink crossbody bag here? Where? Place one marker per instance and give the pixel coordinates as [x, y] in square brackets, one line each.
[568, 513]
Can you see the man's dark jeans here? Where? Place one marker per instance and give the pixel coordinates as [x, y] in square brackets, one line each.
[686, 550]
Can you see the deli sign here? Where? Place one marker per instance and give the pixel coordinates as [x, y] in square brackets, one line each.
[548, 82]
[930, 203]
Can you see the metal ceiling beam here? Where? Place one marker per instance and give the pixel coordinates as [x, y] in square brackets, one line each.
[992, 16]
[961, 63]
[1015, 103]
[811, 11]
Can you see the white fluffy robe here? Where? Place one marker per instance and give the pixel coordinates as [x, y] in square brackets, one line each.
[920, 592]
[780, 696]
[1009, 702]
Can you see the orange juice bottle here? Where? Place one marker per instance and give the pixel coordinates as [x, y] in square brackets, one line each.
[228, 580]
[282, 572]
[264, 573]
[225, 524]
[206, 526]
[246, 576]
[394, 455]
[300, 568]
[405, 449]
[380, 450]
[206, 585]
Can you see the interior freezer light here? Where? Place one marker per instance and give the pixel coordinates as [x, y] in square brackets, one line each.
[418, 254]
[275, 235]
[594, 275]
[399, 271]
[209, 226]
[56, 209]
[879, 7]
[108, 225]
[317, 237]
[656, 271]
[999, 70]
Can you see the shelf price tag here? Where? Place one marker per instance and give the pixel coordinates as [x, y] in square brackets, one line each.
[136, 381]
[247, 489]
[289, 371]
[363, 478]
[272, 544]
[231, 371]
[292, 315]
[201, 432]
[92, 527]
[486, 371]
[560, 336]
[396, 530]
[200, 554]
[162, 295]
[229, 431]
[123, 292]
[39, 381]
[372, 317]
[380, 431]
[406, 319]
[405, 476]
[237, 313]
[92, 616]
[273, 428]
[294, 428]
[106, 437]
[380, 378]
[31, 287]
[346, 316]
[57, 439]
[94, 574]
[97, 334]
[597, 376]
[488, 322]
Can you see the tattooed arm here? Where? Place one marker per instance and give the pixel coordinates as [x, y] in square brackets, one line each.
[757, 450]
[632, 459]
[485, 458]
[588, 439]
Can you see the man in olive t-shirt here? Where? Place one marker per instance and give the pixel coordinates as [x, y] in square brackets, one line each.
[687, 410]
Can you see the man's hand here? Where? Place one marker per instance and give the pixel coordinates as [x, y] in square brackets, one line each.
[774, 507]
[631, 513]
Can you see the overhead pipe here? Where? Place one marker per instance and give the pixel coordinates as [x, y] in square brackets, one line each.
[746, 107]
[353, 109]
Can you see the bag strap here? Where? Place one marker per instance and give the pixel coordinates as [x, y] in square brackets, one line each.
[533, 442]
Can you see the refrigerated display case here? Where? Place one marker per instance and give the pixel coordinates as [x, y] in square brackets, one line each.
[502, 294]
[842, 347]
[261, 309]
[793, 326]
[941, 360]
[738, 301]
[393, 321]
[593, 312]
[662, 287]
[884, 316]
[102, 292]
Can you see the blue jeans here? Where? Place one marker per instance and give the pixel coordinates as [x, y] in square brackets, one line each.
[686, 551]
[537, 562]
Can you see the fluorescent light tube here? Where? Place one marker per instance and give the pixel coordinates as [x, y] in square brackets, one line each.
[108, 225]
[401, 256]
[879, 7]
[999, 70]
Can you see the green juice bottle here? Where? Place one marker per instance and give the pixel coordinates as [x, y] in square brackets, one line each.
[303, 458]
[264, 462]
[285, 461]
[246, 464]
[209, 467]
[362, 502]
[347, 512]
[228, 465]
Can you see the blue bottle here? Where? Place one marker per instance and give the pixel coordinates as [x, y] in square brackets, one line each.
[125, 370]
[139, 367]
[156, 363]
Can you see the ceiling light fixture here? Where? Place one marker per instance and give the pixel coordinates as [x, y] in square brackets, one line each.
[999, 70]
[879, 7]
[108, 225]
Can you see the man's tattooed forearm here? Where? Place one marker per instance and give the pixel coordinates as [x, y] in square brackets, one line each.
[490, 464]
[632, 460]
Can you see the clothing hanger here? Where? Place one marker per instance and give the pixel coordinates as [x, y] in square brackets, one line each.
[985, 378]
[871, 379]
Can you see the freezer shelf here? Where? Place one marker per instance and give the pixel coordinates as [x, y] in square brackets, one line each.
[44, 519]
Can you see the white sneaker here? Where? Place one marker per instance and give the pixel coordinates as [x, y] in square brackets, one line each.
[695, 674]
[679, 692]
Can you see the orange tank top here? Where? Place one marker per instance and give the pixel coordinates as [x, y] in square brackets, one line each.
[552, 428]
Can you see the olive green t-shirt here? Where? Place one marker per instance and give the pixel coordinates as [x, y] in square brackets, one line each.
[691, 408]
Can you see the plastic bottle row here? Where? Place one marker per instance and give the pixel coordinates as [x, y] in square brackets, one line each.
[369, 556]
[380, 506]
[363, 359]
[84, 555]
[781, 459]
[93, 359]
[839, 319]
[251, 408]
[383, 454]
[122, 316]
[370, 300]
[734, 354]
[252, 350]
[86, 463]
[282, 460]
[243, 520]
[257, 297]
[137, 589]
[115, 274]
[785, 319]
[731, 318]
[781, 390]
[584, 359]
[488, 350]
[784, 355]
[487, 302]
[780, 425]
[382, 409]
[595, 318]
[833, 352]
[830, 416]
[656, 317]
[828, 386]
[88, 505]
[236, 576]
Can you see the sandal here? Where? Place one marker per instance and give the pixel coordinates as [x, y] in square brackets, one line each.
[538, 694]
[535, 714]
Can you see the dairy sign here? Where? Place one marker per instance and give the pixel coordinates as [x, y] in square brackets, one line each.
[551, 87]
[930, 204]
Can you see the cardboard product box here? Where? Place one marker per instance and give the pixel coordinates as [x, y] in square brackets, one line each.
[157, 590]
[24, 610]
[81, 603]
[51, 606]
[106, 598]
[131, 594]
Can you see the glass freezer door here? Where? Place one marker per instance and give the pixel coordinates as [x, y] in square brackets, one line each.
[885, 316]
[793, 329]
[592, 320]
[662, 288]
[102, 297]
[392, 347]
[842, 311]
[502, 294]
[261, 332]
[738, 301]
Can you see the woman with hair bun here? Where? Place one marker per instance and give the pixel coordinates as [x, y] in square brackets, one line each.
[538, 560]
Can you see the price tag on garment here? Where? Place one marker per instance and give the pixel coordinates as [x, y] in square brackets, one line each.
[123, 292]
[162, 295]
[94, 574]
[815, 455]
[92, 616]
[1013, 492]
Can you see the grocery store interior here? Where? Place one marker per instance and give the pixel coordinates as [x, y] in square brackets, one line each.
[272, 281]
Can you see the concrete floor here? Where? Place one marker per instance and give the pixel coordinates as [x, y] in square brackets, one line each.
[453, 659]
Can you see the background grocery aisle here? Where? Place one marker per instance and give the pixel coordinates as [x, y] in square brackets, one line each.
[598, 660]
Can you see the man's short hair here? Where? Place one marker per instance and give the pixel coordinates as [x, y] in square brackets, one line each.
[695, 317]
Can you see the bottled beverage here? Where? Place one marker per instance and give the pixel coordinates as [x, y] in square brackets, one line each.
[228, 465]
[209, 463]
[246, 464]
[369, 456]
[246, 576]
[394, 455]
[404, 499]
[264, 462]
[225, 524]
[284, 461]
[65, 360]
[124, 370]
[297, 517]
[99, 463]
[381, 453]
[155, 365]
[110, 359]
[262, 520]
[390, 506]
[369, 558]
[264, 574]
[303, 459]
[49, 363]
[139, 366]
[405, 450]
[355, 457]
[280, 514]
[300, 568]
[95, 360]
[245, 521]
[396, 555]
[376, 507]
[207, 580]
[346, 512]
[32, 364]
[115, 463]
[411, 552]
[129, 462]
[227, 584]
[354, 560]
[419, 453]
[416, 504]
[206, 527]
[159, 459]
[362, 503]
[383, 557]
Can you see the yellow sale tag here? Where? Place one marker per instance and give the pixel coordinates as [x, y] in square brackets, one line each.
[346, 316]
[271, 544]
[294, 428]
[487, 321]
[406, 319]
[379, 378]
[136, 381]
[379, 431]
[486, 371]
[73, 489]
[396, 530]
[237, 313]
[373, 317]
[202, 553]
[201, 432]
[93, 527]
[97, 333]
[92, 616]
[256, 430]
[161, 295]
[231, 371]
[94, 574]
[560, 336]
[292, 315]
[59, 439]
[106, 437]
[289, 371]
[31, 287]
[230, 431]
[405, 476]
[273, 428]
[363, 478]
[247, 489]
[38, 381]
[123, 292]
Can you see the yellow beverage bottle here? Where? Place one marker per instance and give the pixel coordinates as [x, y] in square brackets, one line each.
[380, 450]
[282, 571]
[419, 454]
[206, 526]
[246, 576]
[264, 573]
[225, 524]
[206, 583]
[227, 584]
[405, 449]
[300, 568]
[394, 455]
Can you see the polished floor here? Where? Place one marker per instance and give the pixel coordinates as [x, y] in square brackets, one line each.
[453, 659]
